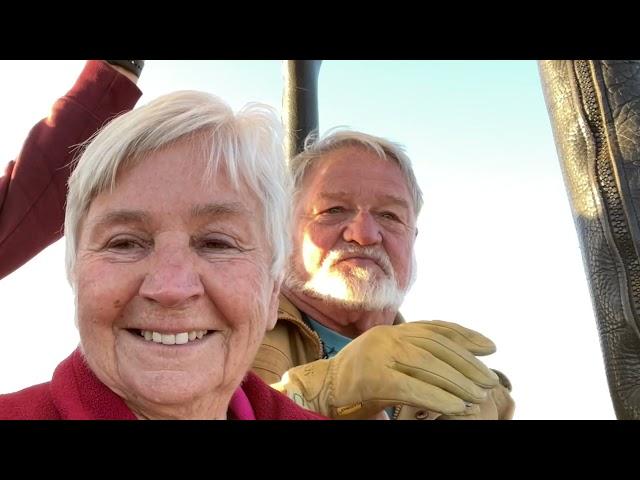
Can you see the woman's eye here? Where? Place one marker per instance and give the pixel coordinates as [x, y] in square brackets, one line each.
[124, 244]
[215, 244]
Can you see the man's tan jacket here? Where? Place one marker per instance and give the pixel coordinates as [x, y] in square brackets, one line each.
[292, 342]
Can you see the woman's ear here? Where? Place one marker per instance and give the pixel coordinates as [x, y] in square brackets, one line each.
[274, 300]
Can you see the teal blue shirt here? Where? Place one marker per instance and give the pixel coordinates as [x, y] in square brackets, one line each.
[332, 342]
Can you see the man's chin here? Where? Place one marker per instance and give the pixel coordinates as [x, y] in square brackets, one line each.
[353, 270]
[348, 303]
[346, 291]
[351, 299]
[319, 291]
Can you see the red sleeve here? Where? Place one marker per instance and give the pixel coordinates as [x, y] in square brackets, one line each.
[34, 186]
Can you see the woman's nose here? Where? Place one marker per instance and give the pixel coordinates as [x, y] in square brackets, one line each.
[172, 279]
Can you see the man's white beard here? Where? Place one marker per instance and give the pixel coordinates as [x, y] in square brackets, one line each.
[356, 289]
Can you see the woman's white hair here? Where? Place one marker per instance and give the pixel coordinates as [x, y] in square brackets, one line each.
[339, 137]
[248, 144]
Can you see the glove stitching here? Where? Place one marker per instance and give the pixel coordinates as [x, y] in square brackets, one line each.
[332, 378]
[411, 367]
[466, 361]
[464, 335]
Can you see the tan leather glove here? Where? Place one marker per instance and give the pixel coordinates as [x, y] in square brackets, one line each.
[430, 365]
[499, 405]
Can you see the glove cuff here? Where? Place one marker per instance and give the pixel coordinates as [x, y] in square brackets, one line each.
[307, 386]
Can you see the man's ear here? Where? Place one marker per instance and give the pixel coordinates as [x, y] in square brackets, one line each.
[274, 300]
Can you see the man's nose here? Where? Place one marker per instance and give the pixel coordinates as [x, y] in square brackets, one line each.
[363, 229]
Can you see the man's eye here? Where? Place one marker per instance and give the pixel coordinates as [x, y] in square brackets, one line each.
[334, 210]
[390, 216]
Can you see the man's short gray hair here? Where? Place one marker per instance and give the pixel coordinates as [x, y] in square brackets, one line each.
[248, 144]
[334, 139]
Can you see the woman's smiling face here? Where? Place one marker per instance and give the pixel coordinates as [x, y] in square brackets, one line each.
[173, 286]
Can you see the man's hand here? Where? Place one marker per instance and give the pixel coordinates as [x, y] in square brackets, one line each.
[430, 365]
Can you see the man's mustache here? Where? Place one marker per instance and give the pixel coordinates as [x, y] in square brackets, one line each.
[369, 253]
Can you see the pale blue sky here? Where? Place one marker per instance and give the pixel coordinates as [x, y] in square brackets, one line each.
[497, 249]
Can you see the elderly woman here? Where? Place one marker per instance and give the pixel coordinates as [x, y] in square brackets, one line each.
[175, 251]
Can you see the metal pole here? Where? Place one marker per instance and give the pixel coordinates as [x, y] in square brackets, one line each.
[300, 103]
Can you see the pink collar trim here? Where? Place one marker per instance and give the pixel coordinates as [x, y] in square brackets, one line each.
[240, 407]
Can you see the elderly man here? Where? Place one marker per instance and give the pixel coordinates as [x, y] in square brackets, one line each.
[340, 346]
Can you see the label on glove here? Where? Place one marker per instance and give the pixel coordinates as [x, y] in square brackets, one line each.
[349, 409]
